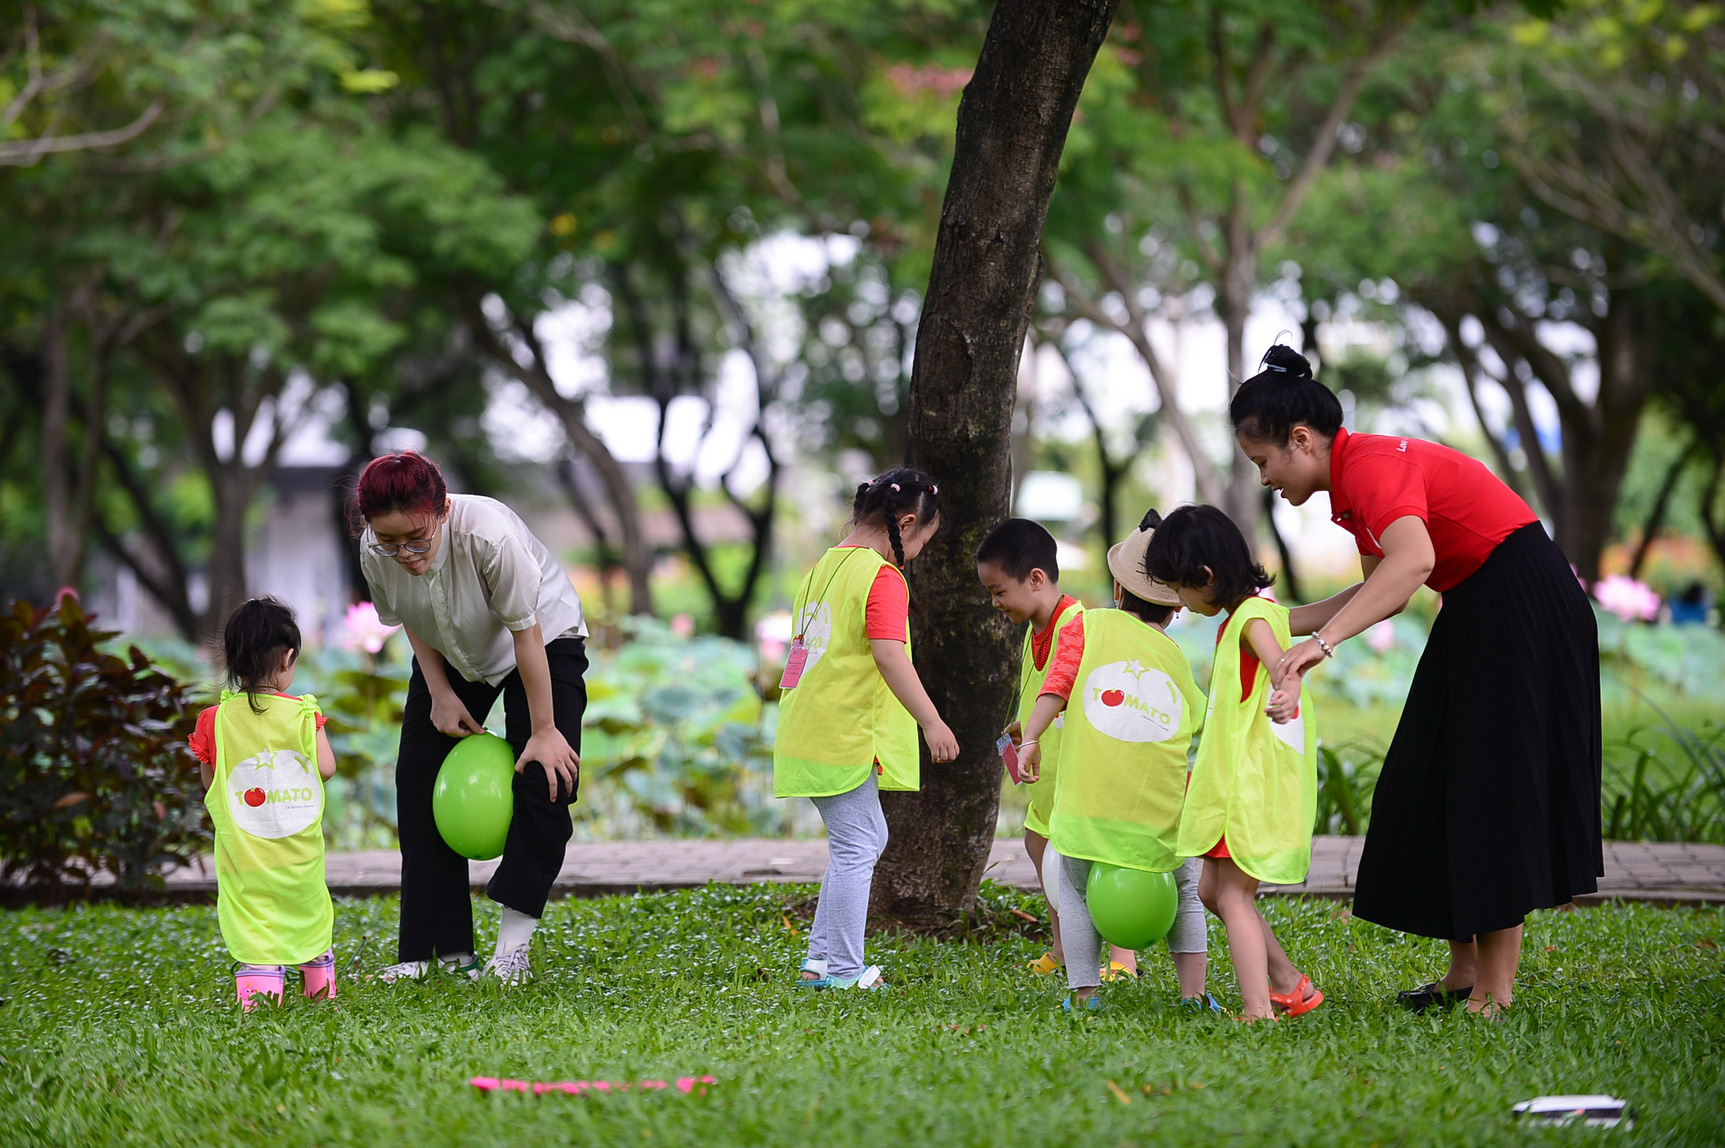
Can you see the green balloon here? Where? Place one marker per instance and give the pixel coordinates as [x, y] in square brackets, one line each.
[473, 799]
[1131, 908]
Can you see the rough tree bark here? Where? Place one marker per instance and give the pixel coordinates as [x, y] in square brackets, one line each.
[1012, 126]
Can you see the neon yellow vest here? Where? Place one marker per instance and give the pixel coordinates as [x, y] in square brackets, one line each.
[1129, 722]
[1254, 781]
[266, 802]
[1030, 679]
[841, 718]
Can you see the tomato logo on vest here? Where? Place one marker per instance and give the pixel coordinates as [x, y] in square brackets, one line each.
[1292, 732]
[816, 628]
[275, 794]
[1128, 701]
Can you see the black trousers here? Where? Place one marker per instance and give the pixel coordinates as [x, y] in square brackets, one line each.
[436, 909]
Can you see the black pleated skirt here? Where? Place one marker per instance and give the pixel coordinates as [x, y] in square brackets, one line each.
[1488, 803]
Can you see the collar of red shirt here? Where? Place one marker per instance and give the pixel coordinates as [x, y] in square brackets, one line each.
[1341, 506]
[1041, 644]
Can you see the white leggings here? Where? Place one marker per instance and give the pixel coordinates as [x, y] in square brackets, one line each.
[856, 835]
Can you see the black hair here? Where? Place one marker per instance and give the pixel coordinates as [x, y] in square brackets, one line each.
[1193, 537]
[1019, 546]
[1270, 404]
[897, 492]
[253, 641]
[1152, 612]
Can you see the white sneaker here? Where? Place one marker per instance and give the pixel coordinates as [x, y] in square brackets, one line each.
[405, 971]
[512, 968]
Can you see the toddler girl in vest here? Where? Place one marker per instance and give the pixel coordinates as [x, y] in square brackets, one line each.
[1131, 709]
[850, 706]
[1253, 796]
[264, 758]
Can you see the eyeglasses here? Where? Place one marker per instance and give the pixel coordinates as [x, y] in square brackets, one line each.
[418, 546]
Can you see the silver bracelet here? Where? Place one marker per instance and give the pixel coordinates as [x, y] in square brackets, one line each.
[1329, 650]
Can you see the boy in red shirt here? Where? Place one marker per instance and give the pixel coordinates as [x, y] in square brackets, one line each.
[1018, 565]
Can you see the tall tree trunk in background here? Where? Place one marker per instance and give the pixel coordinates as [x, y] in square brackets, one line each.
[1012, 126]
[1661, 504]
[63, 541]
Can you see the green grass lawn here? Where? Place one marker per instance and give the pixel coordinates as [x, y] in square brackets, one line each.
[118, 1026]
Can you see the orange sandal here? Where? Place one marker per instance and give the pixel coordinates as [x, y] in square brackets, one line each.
[1297, 1003]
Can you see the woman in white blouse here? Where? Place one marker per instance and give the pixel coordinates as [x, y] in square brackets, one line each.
[488, 612]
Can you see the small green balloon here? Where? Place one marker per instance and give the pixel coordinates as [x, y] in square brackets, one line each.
[474, 798]
[1131, 908]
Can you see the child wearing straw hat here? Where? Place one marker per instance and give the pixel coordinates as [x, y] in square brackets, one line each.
[1121, 776]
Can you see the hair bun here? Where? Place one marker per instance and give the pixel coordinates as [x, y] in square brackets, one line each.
[1283, 359]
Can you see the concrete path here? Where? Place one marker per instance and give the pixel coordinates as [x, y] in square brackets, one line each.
[1634, 871]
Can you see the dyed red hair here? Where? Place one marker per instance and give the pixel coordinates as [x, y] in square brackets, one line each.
[406, 481]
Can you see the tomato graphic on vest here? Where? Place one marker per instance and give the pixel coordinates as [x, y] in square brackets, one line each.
[1292, 732]
[1129, 701]
[275, 794]
[815, 628]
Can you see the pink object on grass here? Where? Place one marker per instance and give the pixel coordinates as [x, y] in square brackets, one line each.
[683, 1084]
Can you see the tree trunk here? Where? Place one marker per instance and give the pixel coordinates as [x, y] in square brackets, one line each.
[65, 541]
[1012, 126]
[1241, 499]
[232, 489]
[572, 414]
[1290, 589]
[1661, 504]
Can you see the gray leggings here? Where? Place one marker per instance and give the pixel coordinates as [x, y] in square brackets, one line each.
[1078, 934]
[856, 835]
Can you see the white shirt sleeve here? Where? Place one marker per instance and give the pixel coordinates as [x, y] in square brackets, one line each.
[512, 572]
[368, 565]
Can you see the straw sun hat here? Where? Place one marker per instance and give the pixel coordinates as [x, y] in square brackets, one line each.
[1126, 563]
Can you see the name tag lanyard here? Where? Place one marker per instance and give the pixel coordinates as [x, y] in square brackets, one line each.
[799, 654]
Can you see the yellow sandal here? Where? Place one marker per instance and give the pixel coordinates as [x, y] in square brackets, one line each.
[1043, 966]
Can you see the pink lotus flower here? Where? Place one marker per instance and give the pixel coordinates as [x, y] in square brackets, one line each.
[1381, 636]
[1628, 599]
[361, 628]
[773, 637]
[683, 625]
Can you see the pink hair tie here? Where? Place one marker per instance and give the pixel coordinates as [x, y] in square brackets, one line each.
[933, 489]
[895, 486]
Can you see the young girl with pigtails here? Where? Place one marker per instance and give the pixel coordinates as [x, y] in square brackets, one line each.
[1253, 798]
[264, 758]
[850, 706]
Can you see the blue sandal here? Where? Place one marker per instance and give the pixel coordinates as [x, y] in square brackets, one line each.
[1197, 1006]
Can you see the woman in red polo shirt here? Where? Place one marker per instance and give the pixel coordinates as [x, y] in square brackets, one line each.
[1488, 803]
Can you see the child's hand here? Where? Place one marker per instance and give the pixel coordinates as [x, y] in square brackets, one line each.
[942, 746]
[1284, 704]
[1015, 732]
[1029, 762]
